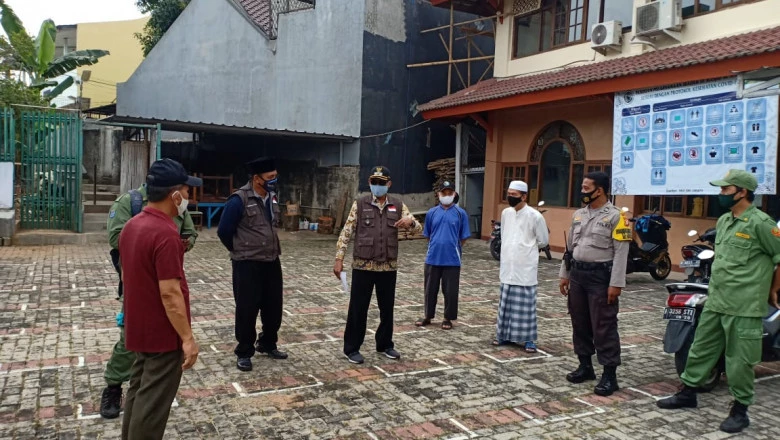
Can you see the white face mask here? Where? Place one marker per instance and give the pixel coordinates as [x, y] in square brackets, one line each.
[447, 200]
[181, 207]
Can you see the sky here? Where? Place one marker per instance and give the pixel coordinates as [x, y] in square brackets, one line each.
[33, 12]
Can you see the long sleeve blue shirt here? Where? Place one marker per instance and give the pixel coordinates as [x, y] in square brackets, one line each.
[228, 223]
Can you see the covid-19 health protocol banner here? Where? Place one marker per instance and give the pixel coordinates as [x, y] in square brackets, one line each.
[675, 140]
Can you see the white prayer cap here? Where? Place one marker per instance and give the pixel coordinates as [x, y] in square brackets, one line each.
[519, 185]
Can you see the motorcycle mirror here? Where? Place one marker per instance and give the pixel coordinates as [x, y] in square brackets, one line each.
[541, 203]
[706, 254]
[693, 233]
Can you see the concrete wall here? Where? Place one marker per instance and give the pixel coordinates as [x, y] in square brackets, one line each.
[730, 21]
[118, 38]
[102, 147]
[214, 66]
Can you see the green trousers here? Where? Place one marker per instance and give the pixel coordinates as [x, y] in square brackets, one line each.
[740, 338]
[121, 361]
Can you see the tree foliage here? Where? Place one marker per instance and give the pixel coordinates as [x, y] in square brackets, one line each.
[162, 15]
[35, 57]
[15, 92]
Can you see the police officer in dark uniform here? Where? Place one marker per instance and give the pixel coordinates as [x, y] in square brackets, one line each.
[248, 229]
[592, 275]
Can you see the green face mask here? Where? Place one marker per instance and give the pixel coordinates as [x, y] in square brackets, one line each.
[726, 201]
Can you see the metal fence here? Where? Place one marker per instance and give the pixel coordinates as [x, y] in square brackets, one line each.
[50, 144]
[8, 140]
[282, 7]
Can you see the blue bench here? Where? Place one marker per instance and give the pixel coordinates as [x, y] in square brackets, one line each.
[212, 209]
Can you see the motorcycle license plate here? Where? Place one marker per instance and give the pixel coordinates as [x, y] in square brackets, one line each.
[680, 313]
[689, 263]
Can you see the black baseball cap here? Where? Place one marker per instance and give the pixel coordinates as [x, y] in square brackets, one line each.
[446, 185]
[379, 173]
[167, 172]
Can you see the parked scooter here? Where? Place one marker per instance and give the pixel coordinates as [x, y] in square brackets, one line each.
[684, 307]
[653, 255]
[495, 238]
[696, 269]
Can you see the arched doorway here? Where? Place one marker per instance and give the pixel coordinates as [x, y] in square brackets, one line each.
[557, 165]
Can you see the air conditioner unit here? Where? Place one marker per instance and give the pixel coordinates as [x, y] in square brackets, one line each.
[659, 17]
[607, 36]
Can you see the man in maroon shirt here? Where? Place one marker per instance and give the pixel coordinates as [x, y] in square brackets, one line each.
[157, 302]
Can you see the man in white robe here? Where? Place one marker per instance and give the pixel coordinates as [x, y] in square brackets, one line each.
[523, 233]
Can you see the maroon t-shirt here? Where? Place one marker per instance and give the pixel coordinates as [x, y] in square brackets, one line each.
[150, 250]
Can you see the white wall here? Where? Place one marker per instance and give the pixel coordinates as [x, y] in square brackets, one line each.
[730, 21]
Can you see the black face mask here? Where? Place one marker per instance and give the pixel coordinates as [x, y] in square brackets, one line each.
[513, 201]
[587, 198]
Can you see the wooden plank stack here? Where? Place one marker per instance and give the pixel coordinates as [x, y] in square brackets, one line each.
[444, 170]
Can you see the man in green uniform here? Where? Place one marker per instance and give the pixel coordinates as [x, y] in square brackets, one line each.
[747, 248]
[118, 367]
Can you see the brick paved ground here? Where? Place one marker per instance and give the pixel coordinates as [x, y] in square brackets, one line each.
[57, 329]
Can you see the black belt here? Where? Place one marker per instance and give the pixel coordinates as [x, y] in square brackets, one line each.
[586, 265]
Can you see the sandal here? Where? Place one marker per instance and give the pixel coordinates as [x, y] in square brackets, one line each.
[497, 343]
[446, 324]
[422, 322]
[530, 347]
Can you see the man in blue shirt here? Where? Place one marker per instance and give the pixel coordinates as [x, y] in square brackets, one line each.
[447, 229]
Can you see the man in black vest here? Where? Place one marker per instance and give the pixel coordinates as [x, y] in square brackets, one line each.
[248, 229]
[375, 220]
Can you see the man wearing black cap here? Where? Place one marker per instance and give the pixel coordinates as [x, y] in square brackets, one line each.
[157, 302]
[447, 229]
[375, 220]
[248, 229]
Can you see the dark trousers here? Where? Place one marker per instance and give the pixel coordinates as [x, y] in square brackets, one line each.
[115, 261]
[449, 279]
[594, 322]
[257, 287]
[363, 282]
[154, 381]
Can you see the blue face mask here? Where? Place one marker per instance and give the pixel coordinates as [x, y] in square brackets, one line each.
[270, 185]
[378, 190]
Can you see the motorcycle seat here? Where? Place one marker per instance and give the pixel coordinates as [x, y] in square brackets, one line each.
[649, 247]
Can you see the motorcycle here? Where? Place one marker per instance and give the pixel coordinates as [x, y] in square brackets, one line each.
[684, 306]
[653, 255]
[495, 238]
[696, 269]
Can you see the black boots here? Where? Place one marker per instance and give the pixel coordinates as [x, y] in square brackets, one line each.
[608, 383]
[737, 419]
[111, 402]
[685, 398]
[583, 372]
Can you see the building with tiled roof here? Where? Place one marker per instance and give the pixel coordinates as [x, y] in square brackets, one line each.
[554, 108]
[323, 86]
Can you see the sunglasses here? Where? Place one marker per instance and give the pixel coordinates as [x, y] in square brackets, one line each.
[378, 182]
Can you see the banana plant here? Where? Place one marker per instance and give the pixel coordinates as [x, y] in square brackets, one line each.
[36, 56]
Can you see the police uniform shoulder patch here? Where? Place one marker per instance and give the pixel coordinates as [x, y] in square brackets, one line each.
[112, 213]
[776, 231]
[622, 231]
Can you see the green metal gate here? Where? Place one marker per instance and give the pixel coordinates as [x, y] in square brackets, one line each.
[50, 144]
[8, 138]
